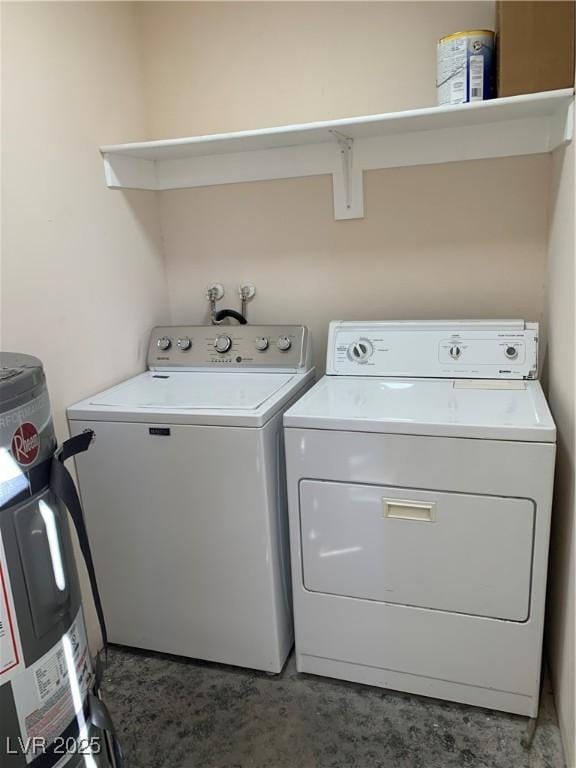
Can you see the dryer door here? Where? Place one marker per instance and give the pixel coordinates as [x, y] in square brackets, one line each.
[447, 551]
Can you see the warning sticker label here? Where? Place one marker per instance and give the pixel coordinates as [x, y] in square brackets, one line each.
[10, 650]
[51, 691]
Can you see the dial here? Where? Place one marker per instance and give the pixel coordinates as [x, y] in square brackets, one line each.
[184, 343]
[360, 351]
[455, 351]
[163, 343]
[222, 344]
[262, 343]
[283, 343]
[511, 352]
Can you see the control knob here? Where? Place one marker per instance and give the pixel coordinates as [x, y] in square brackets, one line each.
[222, 344]
[455, 351]
[511, 352]
[184, 343]
[283, 343]
[262, 343]
[163, 343]
[359, 351]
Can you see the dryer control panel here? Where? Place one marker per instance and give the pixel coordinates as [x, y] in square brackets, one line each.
[241, 347]
[475, 349]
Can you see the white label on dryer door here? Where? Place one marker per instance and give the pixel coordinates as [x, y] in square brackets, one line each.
[10, 649]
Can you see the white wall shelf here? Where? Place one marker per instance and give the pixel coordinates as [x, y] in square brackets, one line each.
[516, 125]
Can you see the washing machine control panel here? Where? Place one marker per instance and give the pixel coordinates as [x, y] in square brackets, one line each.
[504, 349]
[253, 347]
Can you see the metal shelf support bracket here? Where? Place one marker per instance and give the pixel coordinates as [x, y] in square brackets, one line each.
[347, 180]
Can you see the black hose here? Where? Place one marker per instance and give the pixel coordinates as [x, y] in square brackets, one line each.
[222, 314]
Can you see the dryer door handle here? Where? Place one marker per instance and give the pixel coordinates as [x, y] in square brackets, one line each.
[401, 509]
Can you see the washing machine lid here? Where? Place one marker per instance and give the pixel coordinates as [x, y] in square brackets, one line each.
[499, 410]
[230, 398]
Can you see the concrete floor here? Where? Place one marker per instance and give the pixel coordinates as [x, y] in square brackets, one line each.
[175, 713]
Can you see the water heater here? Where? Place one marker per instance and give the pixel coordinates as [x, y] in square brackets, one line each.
[51, 711]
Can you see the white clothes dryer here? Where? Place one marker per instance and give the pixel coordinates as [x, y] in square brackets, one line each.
[420, 474]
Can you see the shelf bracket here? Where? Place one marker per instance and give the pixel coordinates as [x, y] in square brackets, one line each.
[347, 181]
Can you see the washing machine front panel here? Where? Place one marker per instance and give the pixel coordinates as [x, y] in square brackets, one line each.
[456, 552]
[186, 539]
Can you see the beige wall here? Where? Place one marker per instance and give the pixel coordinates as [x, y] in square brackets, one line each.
[227, 66]
[463, 239]
[561, 362]
[82, 273]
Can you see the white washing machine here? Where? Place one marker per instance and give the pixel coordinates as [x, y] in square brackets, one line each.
[420, 473]
[184, 493]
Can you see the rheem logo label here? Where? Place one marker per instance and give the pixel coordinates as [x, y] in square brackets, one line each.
[25, 443]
